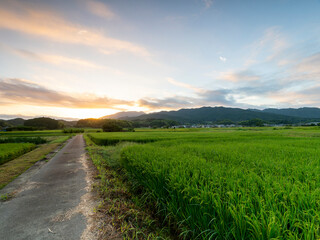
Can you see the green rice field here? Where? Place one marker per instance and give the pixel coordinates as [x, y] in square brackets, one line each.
[9, 151]
[259, 183]
[32, 133]
[19, 150]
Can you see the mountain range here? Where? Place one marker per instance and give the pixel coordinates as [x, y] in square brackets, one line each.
[293, 112]
[214, 114]
[208, 114]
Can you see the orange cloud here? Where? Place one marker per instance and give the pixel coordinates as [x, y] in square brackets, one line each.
[185, 85]
[294, 98]
[309, 64]
[22, 92]
[56, 59]
[51, 26]
[100, 9]
[242, 76]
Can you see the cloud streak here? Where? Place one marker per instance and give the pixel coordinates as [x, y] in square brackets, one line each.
[18, 91]
[56, 59]
[23, 92]
[239, 76]
[309, 64]
[200, 98]
[184, 85]
[222, 59]
[206, 97]
[99, 9]
[59, 60]
[51, 26]
[272, 41]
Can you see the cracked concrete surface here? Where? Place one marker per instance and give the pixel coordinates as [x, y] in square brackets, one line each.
[55, 201]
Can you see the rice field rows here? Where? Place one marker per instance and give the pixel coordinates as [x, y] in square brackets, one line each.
[112, 138]
[9, 151]
[35, 140]
[230, 185]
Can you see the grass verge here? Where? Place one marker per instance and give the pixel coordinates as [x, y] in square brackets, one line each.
[60, 139]
[123, 206]
[10, 170]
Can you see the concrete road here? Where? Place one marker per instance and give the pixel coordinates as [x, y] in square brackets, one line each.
[52, 202]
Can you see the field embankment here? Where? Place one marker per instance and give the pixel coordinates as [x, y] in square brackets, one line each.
[122, 206]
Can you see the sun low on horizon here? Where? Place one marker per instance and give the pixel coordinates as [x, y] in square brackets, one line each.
[90, 58]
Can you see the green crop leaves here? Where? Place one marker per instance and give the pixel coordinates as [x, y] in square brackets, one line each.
[9, 151]
[246, 188]
[229, 185]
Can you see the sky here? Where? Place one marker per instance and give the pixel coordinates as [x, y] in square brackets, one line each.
[80, 58]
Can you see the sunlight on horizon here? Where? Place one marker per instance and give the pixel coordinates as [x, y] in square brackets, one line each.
[88, 112]
[65, 59]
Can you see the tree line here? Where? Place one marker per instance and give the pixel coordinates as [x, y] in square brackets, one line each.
[114, 125]
[108, 125]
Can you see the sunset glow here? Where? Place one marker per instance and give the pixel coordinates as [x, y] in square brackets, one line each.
[90, 58]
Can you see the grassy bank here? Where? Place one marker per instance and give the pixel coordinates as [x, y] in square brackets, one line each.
[123, 206]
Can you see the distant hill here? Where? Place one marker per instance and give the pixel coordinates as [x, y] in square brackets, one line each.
[36, 123]
[16, 122]
[3, 123]
[68, 123]
[123, 115]
[213, 114]
[199, 115]
[306, 112]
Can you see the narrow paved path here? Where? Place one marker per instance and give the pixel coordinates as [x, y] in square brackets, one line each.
[51, 203]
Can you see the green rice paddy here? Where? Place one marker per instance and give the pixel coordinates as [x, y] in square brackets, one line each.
[9, 151]
[258, 183]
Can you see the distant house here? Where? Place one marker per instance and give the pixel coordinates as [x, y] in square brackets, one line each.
[4, 129]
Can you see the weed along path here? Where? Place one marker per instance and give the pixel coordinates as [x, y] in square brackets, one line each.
[54, 202]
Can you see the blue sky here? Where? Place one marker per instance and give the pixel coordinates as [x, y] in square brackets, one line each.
[82, 58]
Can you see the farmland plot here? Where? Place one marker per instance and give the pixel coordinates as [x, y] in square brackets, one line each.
[9, 151]
[231, 185]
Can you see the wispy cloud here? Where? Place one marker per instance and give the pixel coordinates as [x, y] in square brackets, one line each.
[166, 103]
[59, 60]
[185, 85]
[270, 45]
[51, 26]
[200, 97]
[19, 91]
[12, 116]
[223, 59]
[56, 59]
[221, 97]
[99, 9]
[310, 64]
[239, 76]
[24, 92]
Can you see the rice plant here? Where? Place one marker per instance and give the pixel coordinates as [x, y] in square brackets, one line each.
[9, 151]
[230, 185]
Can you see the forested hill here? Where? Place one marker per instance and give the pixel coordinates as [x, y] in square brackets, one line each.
[305, 112]
[214, 114]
